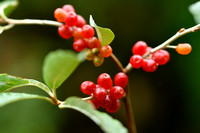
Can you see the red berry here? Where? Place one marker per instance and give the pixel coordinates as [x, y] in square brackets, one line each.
[80, 21]
[77, 34]
[106, 103]
[79, 45]
[65, 31]
[105, 81]
[149, 65]
[68, 8]
[114, 106]
[139, 48]
[161, 57]
[121, 79]
[93, 43]
[95, 102]
[116, 92]
[88, 87]
[87, 31]
[105, 51]
[71, 19]
[136, 61]
[99, 93]
[60, 15]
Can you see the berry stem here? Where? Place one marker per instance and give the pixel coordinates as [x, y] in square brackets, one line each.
[86, 98]
[117, 62]
[170, 46]
[164, 45]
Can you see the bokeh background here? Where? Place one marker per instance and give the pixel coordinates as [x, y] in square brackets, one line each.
[166, 101]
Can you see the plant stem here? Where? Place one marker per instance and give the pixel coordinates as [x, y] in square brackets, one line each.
[117, 62]
[164, 45]
[28, 21]
[126, 99]
[129, 111]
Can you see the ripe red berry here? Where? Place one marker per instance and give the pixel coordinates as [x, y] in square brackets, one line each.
[79, 45]
[60, 15]
[87, 31]
[161, 57]
[114, 106]
[95, 102]
[99, 93]
[149, 65]
[68, 8]
[77, 34]
[80, 21]
[136, 61]
[71, 19]
[65, 31]
[183, 48]
[93, 43]
[139, 48]
[121, 79]
[106, 103]
[105, 51]
[88, 87]
[105, 81]
[116, 92]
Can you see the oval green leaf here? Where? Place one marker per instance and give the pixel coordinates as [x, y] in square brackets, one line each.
[105, 35]
[100, 118]
[59, 65]
[195, 11]
[8, 82]
[10, 97]
[8, 6]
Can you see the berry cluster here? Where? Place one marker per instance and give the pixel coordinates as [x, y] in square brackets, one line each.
[104, 94]
[75, 26]
[150, 64]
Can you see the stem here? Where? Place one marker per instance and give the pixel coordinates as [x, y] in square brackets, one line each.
[165, 44]
[117, 62]
[28, 21]
[126, 99]
[129, 111]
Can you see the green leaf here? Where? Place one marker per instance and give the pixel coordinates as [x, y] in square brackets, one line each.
[103, 120]
[8, 6]
[8, 82]
[105, 35]
[10, 97]
[195, 11]
[59, 65]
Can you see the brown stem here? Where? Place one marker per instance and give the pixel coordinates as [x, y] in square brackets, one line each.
[129, 111]
[117, 62]
[126, 99]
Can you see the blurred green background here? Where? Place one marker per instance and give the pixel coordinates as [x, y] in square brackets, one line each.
[166, 101]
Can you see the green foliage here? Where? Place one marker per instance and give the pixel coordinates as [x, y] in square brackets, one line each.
[105, 35]
[103, 120]
[59, 65]
[8, 6]
[195, 11]
[7, 98]
[8, 82]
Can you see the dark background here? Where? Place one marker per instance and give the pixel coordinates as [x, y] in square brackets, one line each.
[166, 101]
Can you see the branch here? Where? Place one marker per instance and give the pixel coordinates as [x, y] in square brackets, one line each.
[165, 44]
[28, 21]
